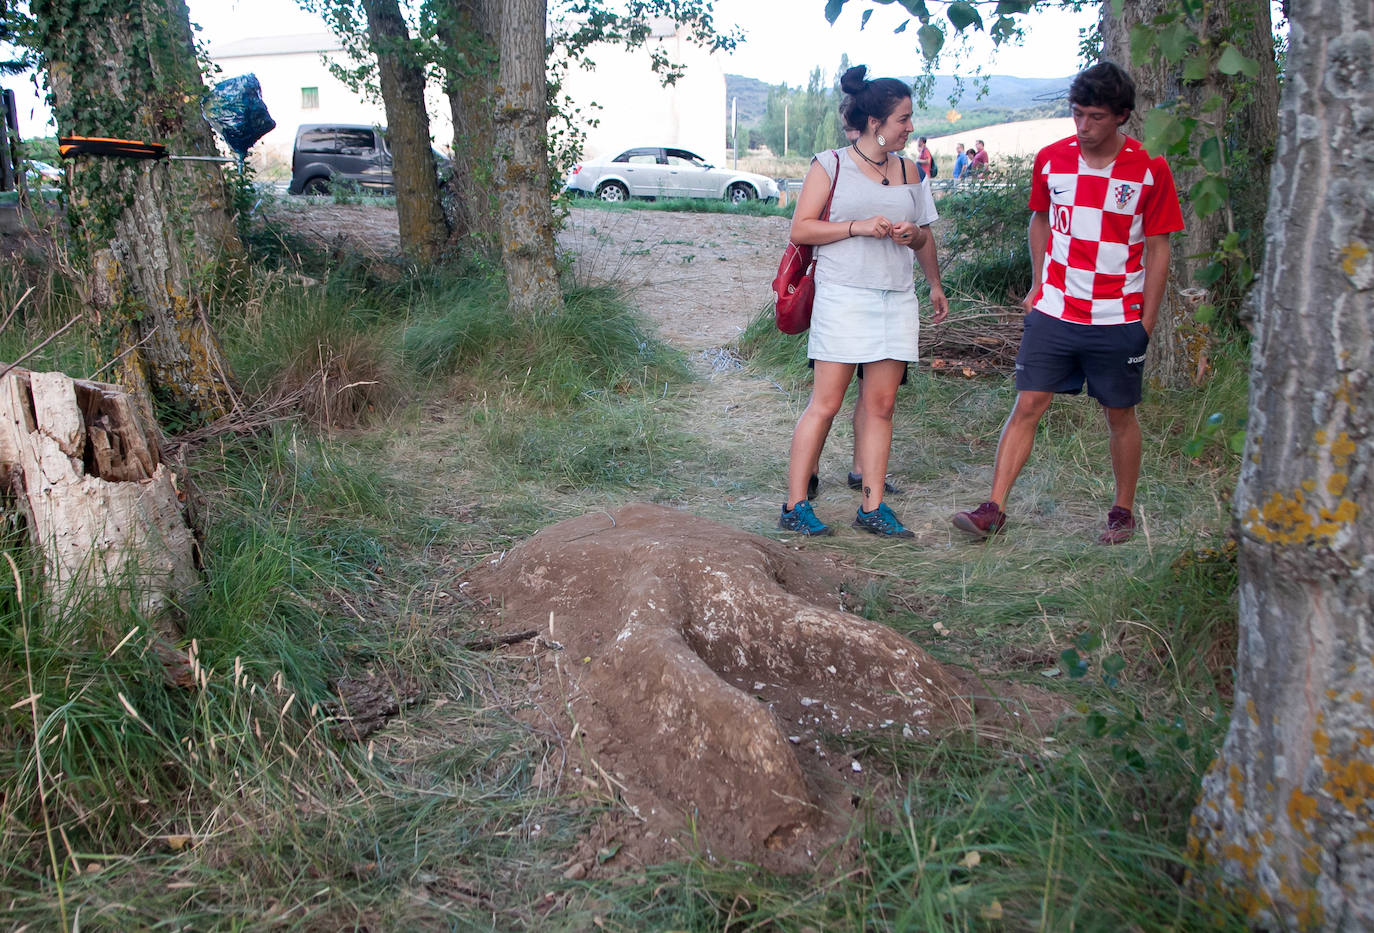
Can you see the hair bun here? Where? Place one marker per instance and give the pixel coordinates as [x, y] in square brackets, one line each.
[852, 82]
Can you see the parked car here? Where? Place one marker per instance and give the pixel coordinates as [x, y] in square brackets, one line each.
[327, 153]
[666, 172]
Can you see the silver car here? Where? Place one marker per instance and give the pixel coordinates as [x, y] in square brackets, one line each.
[665, 172]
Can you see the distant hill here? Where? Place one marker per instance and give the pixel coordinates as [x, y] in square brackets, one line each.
[1007, 97]
[750, 94]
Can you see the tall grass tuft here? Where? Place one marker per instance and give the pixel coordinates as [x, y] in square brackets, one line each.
[596, 347]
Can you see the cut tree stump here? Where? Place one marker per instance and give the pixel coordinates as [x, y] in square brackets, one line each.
[86, 471]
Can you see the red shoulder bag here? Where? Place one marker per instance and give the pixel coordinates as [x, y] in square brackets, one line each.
[795, 283]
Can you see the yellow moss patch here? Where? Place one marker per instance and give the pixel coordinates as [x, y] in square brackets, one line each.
[1294, 520]
[1350, 782]
[1302, 808]
[1351, 256]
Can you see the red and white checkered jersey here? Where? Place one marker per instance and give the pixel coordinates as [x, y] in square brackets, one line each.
[1094, 271]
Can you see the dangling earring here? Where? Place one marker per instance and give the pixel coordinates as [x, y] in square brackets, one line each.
[882, 141]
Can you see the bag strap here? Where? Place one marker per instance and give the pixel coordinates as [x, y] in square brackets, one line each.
[825, 214]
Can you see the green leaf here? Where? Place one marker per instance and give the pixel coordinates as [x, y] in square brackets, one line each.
[1175, 41]
[1231, 240]
[1233, 61]
[832, 10]
[917, 8]
[863, 20]
[963, 15]
[1162, 130]
[1113, 664]
[1142, 43]
[1073, 664]
[931, 39]
[1006, 7]
[1196, 67]
[1194, 448]
[901, 28]
[1215, 102]
[1237, 442]
[1088, 641]
[1210, 274]
[1205, 314]
[1118, 7]
[1209, 154]
[1209, 195]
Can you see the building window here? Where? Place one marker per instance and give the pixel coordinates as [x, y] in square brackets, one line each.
[310, 98]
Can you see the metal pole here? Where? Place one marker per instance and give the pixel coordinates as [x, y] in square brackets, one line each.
[734, 128]
[784, 129]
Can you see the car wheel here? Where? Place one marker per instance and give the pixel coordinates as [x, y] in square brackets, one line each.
[613, 191]
[740, 192]
[316, 186]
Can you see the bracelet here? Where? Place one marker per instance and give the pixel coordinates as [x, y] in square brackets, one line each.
[851, 228]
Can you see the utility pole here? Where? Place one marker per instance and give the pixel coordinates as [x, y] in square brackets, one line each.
[785, 107]
[734, 129]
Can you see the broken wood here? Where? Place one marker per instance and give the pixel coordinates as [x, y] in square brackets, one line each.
[85, 469]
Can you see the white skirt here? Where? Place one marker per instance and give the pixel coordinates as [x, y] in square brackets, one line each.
[863, 325]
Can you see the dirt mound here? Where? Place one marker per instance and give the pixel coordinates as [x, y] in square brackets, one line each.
[709, 676]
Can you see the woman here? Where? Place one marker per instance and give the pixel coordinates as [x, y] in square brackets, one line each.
[865, 310]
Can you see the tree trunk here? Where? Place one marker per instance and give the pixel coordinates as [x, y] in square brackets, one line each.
[402, 78]
[526, 216]
[1286, 818]
[100, 505]
[470, 33]
[147, 235]
[1178, 347]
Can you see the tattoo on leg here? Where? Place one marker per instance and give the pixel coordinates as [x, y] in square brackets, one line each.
[868, 490]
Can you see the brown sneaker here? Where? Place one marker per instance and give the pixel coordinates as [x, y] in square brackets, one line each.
[982, 522]
[1120, 527]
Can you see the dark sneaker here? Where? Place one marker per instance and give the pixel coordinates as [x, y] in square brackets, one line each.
[813, 486]
[856, 481]
[801, 520]
[1120, 526]
[982, 522]
[881, 521]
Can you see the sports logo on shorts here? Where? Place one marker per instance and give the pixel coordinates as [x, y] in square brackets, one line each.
[1123, 194]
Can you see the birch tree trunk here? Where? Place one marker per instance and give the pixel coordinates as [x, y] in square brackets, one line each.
[470, 33]
[402, 78]
[147, 235]
[526, 215]
[1285, 825]
[1178, 346]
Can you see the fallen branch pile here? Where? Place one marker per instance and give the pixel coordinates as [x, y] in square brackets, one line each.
[976, 344]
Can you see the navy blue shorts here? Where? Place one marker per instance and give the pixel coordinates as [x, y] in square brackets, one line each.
[1057, 356]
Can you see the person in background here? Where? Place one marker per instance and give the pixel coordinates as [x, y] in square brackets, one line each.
[960, 161]
[865, 310]
[923, 157]
[1102, 210]
[978, 162]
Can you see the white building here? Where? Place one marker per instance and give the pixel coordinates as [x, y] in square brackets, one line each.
[632, 106]
[621, 93]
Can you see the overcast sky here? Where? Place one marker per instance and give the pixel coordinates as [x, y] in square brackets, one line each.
[783, 41]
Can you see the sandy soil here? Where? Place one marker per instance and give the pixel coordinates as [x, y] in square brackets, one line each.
[700, 277]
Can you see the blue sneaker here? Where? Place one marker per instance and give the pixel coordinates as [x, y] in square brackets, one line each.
[803, 521]
[881, 521]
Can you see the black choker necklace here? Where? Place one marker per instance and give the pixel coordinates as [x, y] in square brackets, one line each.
[880, 166]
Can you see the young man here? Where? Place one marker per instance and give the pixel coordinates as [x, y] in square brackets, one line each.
[1104, 209]
[960, 161]
[978, 162]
